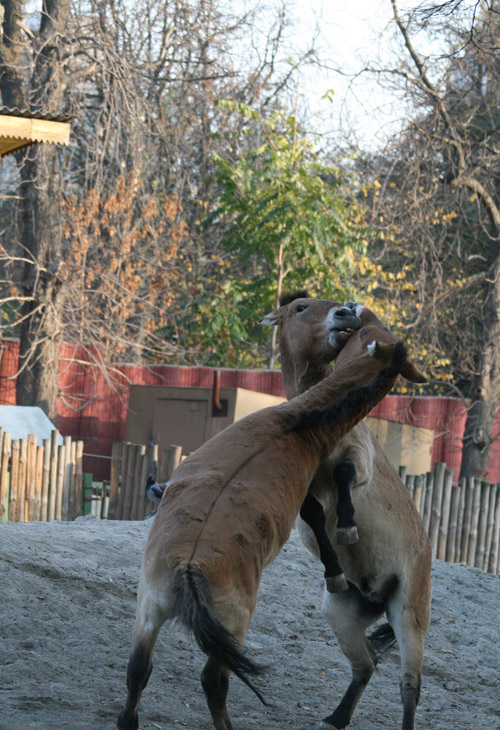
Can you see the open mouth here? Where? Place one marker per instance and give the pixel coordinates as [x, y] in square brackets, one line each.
[344, 334]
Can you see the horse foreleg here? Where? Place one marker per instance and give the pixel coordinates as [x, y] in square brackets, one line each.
[344, 475]
[313, 514]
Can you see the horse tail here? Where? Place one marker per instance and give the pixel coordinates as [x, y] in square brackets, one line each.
[195, 610]
[382, 638]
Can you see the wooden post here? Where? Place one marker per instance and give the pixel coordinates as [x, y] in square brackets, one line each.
[67, 478]
[476, 504]
[460, 519]
[39, 482]
[114, 487]
[138, 486]
[4, 478]
[152, 469]
[437, 498]
[174, 458]
[129, 482]
[485, 489]
[410, 484]
[44, 508]
[429, 490]
[53, 473]
[417, 491]
[402, 473]
[490, 526]
[124, 466]
[451, 537]
[61, 469]
[30, 477]
[466, 524]
[78, 479]
[495, 541]
[71, 481]
[14, 482]
[445, 514]
[21, 486]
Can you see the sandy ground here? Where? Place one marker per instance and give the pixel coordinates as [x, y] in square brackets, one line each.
[67, 601]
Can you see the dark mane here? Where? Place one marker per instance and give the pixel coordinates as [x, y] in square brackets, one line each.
[290, 297]
[362, 394]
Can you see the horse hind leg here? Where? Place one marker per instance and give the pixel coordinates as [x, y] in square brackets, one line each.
[215, 683]
[350, 614]
[149, 620]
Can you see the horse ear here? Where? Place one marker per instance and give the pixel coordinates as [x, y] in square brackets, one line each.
[273, 317]
[410, 372]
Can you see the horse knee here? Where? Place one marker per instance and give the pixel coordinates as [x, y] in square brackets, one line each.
[345, 473]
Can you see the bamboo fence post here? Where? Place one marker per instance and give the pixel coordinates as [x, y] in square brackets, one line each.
[54, 453]
[129, 482]
[476, 503]
[173, 460]
[114, 487]
[445, 514]
[402, 473]
[138, 486]
[4, 477]
[437, 497]
[124, 467]
[427, 511]
[423, 496]
[71, 481]
[61, 469]
[466, 524]
[451, 537]
[67, 477]
[21, 486]
[417, 492]
[152, 469]
[410, 484]
[495, 541]
[14, 482]
[460, 519]
[30, 476]
[44, 507]
[485, 489]
[39, 483]
[490, 525]
[78, 478]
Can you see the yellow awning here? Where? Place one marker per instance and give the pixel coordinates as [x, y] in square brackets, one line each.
[19, 128]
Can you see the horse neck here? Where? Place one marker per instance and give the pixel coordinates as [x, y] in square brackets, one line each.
[299, 376]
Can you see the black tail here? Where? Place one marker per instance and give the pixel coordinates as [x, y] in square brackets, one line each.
[382, 638]
[195, 609]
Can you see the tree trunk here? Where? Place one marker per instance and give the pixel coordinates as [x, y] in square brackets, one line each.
[40, 192]
[485, 395]
[41, 238]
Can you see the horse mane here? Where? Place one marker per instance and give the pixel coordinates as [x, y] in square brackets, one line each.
[337, 412]
[291, 296]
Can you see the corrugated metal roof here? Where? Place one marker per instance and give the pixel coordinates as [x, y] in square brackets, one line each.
[22, 127]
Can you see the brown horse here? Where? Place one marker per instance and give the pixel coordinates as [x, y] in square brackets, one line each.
[227, 511]
[388, 568]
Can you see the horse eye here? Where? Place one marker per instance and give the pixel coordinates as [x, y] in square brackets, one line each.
[301, 308]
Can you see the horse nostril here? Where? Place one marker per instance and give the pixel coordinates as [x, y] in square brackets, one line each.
[344, 312]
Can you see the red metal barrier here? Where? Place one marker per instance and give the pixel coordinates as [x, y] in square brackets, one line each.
[93, 403]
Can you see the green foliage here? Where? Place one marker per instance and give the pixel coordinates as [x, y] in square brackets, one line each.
[282, 218]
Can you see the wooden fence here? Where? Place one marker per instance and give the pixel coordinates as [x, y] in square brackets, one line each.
[131, 465]
[40, 482]
[462, 521]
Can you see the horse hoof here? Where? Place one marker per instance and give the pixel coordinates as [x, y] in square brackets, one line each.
[347, 536]
[336, 584]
